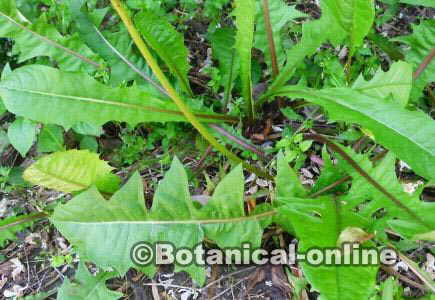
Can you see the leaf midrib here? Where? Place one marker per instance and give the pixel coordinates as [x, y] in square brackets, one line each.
[174, 222]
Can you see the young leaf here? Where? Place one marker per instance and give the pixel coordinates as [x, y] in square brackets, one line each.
[222, 43]
[396, 82]
[87, 287]
[168, 43]
[397, 133]
[88, 221]
[313, 36]
[72, 171]
[42, 39]
[421, 43]
[280, 15]
[50, 139]
[245, 16]
[22, 135]
[355, 17]
[44, 94]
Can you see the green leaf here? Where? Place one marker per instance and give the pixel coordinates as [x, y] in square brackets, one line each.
[91, 223]
[222, 43]
[72, 171]
[396, 82]
[393, 126]
[51, 139]
[89, 142]
[51, 96]
[318, 224]
[87, 287]
[313, 36]
[42, 39]
[11, 225]
[114, 48]
[245, 16]
[428, 3]
[168, 43]
[355, 17]
[22, 135]
[421, 43]
[280, 15]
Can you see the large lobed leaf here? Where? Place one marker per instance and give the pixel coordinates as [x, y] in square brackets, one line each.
[92, 223]
[396, 82]
[42, 39]
[51, 96]
[72, 171]
[87, 287]
[409, 134]
[318, 223]
[168, 43]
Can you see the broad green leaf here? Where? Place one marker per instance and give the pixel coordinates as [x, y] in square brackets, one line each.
[421, 43]
[87, 287]
[72, 171]
[287, 180]
[318, 223]
[89, 142]
[51, 96]
[42, 39]
[22, 135]
[168, 43]
[222, 43]
[245, 17]
[87, 129]
[396, 82]
[355, 17]
[393, 126]
[50, 139]
[226, 204]
[92, 223]
[428, 3]
[280, 15]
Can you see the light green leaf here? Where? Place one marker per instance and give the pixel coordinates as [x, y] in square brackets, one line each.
[222, 43]
[318, 224]
[280, 15]
[421, 43]
[428, 3]
[22, 135]
[226, 204]
[72, 171]
[396, 82]
[168, 43]
[51, 139]
[245, 16]
[92, 224]
[355, 17]
[42, 39]
[393, 126]
[87, 287]
[48, 95]
[87, 129]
